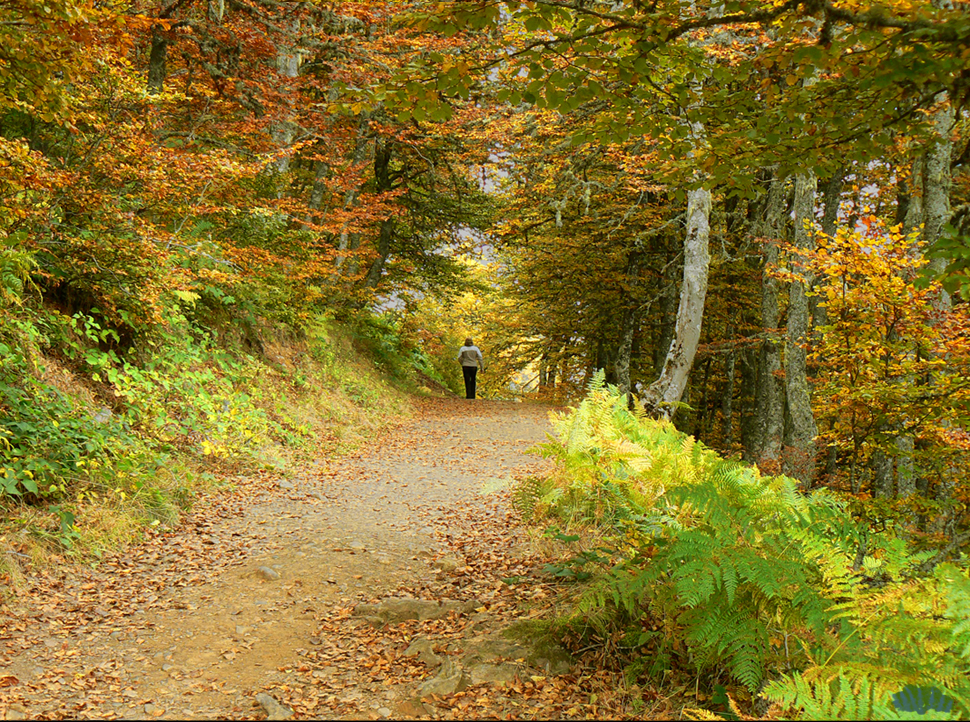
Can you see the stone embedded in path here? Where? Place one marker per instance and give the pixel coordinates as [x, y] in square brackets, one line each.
[274, 710]
[423, 649]
[450, 679]
[395, 610]
[268, 573]
[283, 484]
[411, 709]
[448, 563]
[491, 649]
[492, 673]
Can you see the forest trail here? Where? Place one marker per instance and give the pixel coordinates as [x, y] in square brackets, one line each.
[186, 626]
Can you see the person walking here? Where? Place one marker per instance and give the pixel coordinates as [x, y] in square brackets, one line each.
[470, 358]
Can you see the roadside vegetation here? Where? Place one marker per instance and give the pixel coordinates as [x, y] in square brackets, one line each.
[695, 571]
[101, 438]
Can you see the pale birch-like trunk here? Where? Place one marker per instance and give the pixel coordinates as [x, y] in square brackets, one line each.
[665, 393]
[798, 458]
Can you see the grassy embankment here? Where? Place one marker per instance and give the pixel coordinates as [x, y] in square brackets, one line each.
[102, 436]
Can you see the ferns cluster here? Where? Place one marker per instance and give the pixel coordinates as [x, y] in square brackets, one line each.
[786, 592]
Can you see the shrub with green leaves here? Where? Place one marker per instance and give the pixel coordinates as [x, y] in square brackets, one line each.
[183, 391]
[785, 592]
[49, 444]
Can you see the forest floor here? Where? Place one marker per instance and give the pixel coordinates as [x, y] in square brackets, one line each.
[270, 599]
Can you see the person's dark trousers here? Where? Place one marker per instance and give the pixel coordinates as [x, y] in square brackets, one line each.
[469, 372]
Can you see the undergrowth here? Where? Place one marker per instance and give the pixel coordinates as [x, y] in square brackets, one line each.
[101, 436]
[702, 564]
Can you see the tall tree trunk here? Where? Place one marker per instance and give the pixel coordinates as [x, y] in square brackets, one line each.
[664, 394]
[727, 397]
[936, 186]
[156, 62]
[771, 396]
[349, 240]
[799, 457]
[628, 328]
[749, 408]
[288, 64]
[936, 208]
[383, 152]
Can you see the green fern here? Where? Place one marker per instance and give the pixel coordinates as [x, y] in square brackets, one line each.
[841, 695]
[753, 576]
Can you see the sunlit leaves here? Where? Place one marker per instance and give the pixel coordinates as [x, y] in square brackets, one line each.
[892, 361]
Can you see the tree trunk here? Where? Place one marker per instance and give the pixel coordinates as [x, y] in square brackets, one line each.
[936, 187]
[156, 62]
[375, 272]
[749, 408]
[665, 393]
[882, 468]
[936, 209]
[771, 397]
[383, 153]
[348, 240]
[799, 457]
[727, 398]
[628, 329]
[319, 189]
[288, 64]
[216, 10]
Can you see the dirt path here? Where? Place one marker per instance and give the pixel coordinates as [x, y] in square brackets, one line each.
[256, 593]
